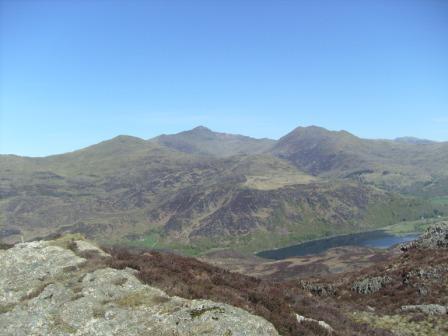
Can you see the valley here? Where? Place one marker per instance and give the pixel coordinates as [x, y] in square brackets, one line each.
[223, 168]
[199, 190]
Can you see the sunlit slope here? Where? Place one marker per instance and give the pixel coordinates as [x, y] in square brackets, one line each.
[396, 165]
[313, 183]
[203, 141]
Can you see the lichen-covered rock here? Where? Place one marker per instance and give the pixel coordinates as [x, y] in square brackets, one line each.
[435, 237]
[430, 309]
[322, 324]
[370, 285]
[85, 246]
[318, 289]
[48, 290]
[25, 268]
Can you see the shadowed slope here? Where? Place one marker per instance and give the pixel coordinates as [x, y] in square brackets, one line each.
[401, 166]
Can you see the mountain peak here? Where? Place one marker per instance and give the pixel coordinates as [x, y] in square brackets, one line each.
[203, 141]
[317, 132]
[316, 149]
[126, 138]
[201, 129]
[313, 128]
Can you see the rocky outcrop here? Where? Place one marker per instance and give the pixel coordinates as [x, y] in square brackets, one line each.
[370, 285]
[47, 289]
[435, 237]
[430, 309]
[318, 289]
[322, 324]
[82, 247]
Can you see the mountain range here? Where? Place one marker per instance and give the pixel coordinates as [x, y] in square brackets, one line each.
[200, 189]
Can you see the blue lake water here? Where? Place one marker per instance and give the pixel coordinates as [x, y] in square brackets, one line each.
[376, 239]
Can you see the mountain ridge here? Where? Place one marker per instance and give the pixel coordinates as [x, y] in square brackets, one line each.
[204, 188]
[203, 141]
[203, 129]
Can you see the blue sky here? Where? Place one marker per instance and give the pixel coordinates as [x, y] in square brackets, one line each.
[73, 73]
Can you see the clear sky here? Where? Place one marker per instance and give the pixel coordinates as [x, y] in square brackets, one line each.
[73, 73]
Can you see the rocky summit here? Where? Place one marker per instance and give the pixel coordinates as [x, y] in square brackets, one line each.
[50, 288]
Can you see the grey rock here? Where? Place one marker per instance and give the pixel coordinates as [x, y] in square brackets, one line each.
[318, 289]
[370, 285]
[422, 291]
[435, 237]
[324, 325]
[46, 290]
[430, 309]
[85, 246]
[27, 267]
[427, 273]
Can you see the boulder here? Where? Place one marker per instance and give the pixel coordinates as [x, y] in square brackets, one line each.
[83, 246]
[370, 285]
[324, 325]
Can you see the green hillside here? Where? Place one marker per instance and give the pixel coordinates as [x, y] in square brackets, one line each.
[200, 189]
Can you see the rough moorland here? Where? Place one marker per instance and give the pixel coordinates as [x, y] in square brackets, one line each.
[68, 286]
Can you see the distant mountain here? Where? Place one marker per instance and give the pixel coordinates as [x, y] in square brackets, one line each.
[396, 165]
[412, 140]
[203, 141]
[317, 150]
[204, 189]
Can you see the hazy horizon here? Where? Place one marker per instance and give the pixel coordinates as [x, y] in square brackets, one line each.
[74, 73]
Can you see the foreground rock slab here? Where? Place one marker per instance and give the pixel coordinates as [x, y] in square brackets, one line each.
[47, 289]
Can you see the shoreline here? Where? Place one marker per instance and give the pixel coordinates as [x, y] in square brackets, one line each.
[383, 230]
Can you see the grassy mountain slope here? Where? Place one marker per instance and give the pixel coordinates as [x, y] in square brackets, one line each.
[399, 166]
[314, 183]
[203, 141]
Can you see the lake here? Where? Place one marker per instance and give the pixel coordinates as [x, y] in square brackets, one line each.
[376, 239]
